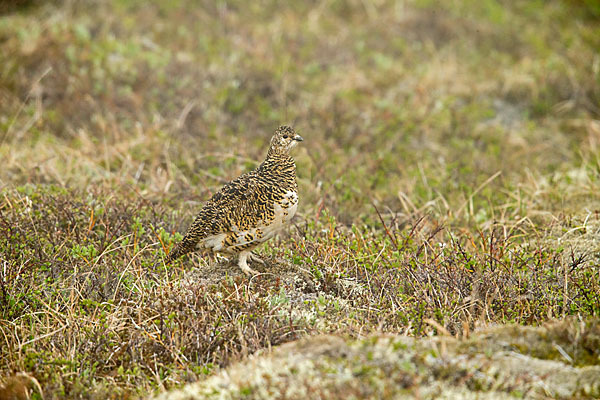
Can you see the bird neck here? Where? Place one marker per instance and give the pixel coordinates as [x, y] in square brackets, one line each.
[278, 155]
[278, 160]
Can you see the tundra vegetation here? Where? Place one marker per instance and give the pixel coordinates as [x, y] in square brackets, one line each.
[449, 179]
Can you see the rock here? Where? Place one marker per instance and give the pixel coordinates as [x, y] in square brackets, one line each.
[558, 360]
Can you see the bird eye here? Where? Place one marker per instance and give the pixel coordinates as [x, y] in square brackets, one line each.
[285, 136]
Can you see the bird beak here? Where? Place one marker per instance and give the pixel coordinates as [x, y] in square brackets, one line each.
[298, 138]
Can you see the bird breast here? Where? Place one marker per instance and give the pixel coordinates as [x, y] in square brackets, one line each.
[283, 210]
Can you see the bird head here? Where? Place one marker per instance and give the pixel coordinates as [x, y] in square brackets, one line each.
[284, 139]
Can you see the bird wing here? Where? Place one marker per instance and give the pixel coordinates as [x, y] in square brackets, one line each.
[235, 207]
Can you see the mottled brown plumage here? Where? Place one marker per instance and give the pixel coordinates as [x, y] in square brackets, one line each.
[250, 209]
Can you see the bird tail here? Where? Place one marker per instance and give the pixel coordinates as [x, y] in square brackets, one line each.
[173, 254]
[185, 246]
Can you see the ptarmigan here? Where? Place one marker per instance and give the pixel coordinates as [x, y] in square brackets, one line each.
[250, 209]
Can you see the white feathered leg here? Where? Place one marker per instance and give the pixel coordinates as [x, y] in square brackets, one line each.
[243, 263]
[254, 258]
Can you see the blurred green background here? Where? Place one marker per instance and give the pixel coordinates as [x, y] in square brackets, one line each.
[411, 104]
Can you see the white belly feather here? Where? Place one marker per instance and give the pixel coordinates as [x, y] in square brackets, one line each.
[214, 242]
[266, 229]
[284, 213]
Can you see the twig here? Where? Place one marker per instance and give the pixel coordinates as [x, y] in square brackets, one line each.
[387, 231]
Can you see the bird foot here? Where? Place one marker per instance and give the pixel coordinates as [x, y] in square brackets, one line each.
[220, 258]
[243, 263]
[254, 258]
[249, 271]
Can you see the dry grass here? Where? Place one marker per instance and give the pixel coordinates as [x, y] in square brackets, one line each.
[449, 177]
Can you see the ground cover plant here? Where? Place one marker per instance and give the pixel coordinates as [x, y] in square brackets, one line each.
[449, 177]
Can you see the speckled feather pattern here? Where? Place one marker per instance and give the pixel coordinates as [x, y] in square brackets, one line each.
[250, 209]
